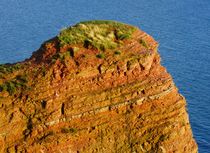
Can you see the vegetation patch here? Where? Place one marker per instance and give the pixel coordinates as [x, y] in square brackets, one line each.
[73, 51]
[13, 85]
[101, 55]
[143, 43]
[43, 71]
[7, 68]
[68, 130]
[117, 52]
[62, 56]
[97, 34]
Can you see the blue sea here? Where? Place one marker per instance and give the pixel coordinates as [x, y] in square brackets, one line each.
[182, 27]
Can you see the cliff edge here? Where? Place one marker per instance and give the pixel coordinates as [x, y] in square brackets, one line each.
[96, 87]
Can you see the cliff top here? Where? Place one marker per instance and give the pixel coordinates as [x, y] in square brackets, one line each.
[97, 34]
[83, 46]
[96, 87]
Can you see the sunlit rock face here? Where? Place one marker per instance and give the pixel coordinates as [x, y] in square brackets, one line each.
[96, 87]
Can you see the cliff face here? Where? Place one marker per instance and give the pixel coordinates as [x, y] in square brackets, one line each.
[96, 87]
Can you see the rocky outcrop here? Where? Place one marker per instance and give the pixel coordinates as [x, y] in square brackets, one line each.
[96, 87]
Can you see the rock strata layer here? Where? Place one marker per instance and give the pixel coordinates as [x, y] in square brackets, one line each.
[96, 87]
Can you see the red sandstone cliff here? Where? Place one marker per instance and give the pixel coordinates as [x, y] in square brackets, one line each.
[78, 97]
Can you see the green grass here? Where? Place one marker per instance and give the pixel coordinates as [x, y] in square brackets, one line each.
[9, 68]
[98, 34]
[13, 85]
[101, 55]
[62, 56]
[122, 36]
[9, 86]
[143, 43]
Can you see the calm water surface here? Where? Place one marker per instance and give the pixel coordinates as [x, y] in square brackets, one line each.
[181, 27]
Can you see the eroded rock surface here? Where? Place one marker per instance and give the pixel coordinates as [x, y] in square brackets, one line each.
[107, 93]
